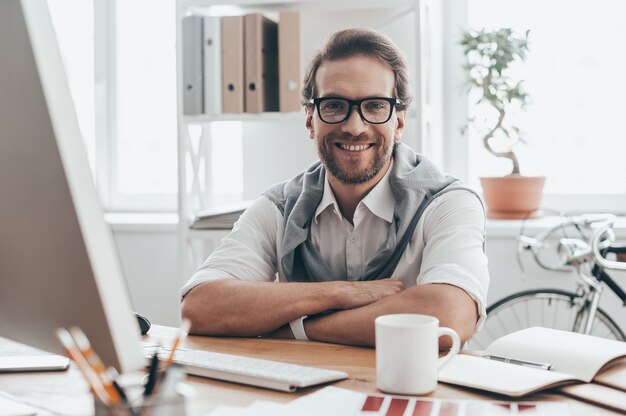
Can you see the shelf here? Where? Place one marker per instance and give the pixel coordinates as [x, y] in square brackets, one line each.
[204, 119]
[254, 117]
[193, 234]
[235, 7]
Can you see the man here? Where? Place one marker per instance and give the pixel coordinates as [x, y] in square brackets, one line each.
[372, 229]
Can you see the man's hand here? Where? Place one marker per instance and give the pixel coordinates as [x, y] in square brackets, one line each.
[242, 308]
[450, 304]
[362, 293]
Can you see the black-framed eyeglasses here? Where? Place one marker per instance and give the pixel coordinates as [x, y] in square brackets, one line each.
[374, 110]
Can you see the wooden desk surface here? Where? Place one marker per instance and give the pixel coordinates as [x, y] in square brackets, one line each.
[67, 393]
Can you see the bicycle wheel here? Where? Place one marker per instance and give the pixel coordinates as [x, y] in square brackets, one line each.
[550, 308]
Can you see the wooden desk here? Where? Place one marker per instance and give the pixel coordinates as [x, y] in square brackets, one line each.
[67, 393]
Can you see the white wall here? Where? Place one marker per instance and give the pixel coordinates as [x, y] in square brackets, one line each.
[150, 261]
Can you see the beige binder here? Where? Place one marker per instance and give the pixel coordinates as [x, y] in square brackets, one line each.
[261, 64]
[233, 93]
[289, 61]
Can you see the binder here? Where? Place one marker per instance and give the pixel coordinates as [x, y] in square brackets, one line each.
[289, 61]
[193, 94]
[232, 53]
[212, 66]
[261, 63]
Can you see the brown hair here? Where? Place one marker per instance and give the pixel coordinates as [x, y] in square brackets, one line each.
[351, 42]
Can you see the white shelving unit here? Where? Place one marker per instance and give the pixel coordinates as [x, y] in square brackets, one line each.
[412, 24]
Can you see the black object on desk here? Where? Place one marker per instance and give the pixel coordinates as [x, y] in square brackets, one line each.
[144, 323]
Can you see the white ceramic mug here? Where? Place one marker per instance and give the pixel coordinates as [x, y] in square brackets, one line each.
[407, 350]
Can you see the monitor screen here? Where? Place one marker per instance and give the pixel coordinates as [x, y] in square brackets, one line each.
[58, 264]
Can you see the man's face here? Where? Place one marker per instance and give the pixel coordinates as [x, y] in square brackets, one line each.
[355, 151]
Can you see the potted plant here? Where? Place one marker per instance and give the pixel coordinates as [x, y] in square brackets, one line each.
[488, 57]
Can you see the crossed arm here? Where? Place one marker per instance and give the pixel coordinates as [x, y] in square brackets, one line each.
[233, 307]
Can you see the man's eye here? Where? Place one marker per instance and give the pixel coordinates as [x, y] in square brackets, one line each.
[333, 105]
[376, 105]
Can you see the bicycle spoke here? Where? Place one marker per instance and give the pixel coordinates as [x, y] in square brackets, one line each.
[486, 328]
[551, 308]
[503, 326]
[516, 316]
[555, 314]
[570, 321]
[527, 315]
[606, 333]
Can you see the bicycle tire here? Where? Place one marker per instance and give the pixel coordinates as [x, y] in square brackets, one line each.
[509, 307]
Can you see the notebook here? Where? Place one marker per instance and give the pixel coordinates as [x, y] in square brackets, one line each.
[573, 358]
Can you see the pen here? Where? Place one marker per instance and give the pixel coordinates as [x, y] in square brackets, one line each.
[541, 366]
[112, 373]
[182, 334]
[152, 374]
[94, 361]
[90, 376]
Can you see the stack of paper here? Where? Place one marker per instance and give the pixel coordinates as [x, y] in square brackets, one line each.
[333, 401]
[220, 218]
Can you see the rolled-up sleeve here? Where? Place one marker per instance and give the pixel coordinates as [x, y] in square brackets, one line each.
[248, 252]
[454, 237]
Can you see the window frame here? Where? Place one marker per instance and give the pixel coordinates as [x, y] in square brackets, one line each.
[456, 110]
[107, 172]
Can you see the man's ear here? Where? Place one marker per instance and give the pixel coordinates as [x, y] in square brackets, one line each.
[400, 117]
[309, 122]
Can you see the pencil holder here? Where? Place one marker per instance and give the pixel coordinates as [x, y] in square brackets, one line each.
[157, 406]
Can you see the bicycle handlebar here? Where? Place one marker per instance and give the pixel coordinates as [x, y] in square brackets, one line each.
[597, 244]
[575, 251]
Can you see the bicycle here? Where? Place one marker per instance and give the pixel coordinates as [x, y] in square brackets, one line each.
[560, 309]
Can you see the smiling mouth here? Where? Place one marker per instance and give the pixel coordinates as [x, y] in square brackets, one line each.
[353, 147]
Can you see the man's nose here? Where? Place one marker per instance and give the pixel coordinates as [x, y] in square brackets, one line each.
[354, 124]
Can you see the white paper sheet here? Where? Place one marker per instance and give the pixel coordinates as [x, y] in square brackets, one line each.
[9, 407]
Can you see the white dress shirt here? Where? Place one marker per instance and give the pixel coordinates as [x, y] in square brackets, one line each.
[446, 247]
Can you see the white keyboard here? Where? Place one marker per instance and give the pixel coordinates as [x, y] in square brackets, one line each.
[253, 371]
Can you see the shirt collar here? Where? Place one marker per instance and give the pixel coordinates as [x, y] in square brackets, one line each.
[380, 200]
[328, 200]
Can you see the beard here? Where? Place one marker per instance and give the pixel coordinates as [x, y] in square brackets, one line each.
[346, 169]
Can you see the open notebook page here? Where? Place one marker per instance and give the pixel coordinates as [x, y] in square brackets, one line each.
[579, 355]
[509, 379]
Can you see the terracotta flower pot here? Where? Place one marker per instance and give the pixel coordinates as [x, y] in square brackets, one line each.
[512, 196]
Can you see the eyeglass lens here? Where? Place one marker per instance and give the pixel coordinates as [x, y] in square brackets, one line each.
[335, 110]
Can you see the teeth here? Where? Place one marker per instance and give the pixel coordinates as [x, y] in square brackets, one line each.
[354, 148]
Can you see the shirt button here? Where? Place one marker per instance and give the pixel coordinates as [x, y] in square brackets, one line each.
[354, 239]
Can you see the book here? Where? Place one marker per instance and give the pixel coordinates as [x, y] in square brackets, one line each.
[597, 394]
[574, 358]
[219, 218]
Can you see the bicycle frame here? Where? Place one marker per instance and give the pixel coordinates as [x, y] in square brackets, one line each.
[583, 255]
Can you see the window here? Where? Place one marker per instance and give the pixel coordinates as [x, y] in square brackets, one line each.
[142, 100]
[575, 127]
[73, 24]
[120, 60]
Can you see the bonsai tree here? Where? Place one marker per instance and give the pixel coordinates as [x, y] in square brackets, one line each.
[488, 56]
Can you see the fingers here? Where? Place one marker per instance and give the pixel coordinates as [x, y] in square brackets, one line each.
[358, 294]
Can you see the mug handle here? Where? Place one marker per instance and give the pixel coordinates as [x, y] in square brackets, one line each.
[454, 350]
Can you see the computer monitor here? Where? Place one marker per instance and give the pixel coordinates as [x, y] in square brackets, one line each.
[58, 264]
